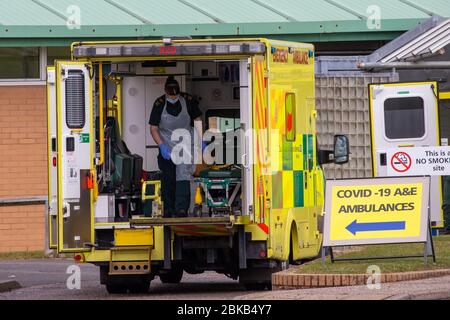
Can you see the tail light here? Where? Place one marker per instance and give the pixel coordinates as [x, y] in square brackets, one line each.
[78, 257]
[90, 180]
[262, 253]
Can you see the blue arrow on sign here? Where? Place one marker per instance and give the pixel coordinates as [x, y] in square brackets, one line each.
[355, 227]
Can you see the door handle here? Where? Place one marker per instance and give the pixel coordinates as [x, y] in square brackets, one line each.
[383, 159]
[244, 161]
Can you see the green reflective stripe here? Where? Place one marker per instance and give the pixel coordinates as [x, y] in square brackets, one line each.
[305, 152]
[277, 190]
[298, 189]
[288, 156]
[310, 150]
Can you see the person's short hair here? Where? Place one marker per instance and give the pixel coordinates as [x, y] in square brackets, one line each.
[172, 87]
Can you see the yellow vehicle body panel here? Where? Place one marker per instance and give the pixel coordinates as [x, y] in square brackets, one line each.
[133, 237]
[131, 254]
[293, 177]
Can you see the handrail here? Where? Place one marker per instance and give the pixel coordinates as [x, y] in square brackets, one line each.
[23, 201]
[100, 114]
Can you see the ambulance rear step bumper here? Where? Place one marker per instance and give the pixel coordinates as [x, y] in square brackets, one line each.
[150, 222]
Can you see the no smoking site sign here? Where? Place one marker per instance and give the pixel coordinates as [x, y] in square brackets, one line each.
[401, 162]
[418, 161]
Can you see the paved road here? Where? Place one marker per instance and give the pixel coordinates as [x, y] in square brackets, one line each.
[46, 279]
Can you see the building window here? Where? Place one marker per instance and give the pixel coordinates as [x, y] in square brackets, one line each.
[57, 53]
[290, 116]
[404, 118]
[19, 63]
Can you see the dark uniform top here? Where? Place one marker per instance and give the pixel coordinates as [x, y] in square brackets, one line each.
[174, 109]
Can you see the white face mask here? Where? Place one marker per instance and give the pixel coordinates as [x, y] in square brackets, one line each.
[173, 101]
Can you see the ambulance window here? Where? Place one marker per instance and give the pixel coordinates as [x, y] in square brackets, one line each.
[75, 100]
[404, 118]
[290, 116]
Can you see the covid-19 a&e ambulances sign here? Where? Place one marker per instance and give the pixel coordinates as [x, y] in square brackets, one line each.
[380, 210]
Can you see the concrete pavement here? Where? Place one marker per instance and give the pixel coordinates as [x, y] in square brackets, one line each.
[432, 288]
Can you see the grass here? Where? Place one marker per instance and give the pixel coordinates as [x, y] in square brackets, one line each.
[22, 255]
[441, 245]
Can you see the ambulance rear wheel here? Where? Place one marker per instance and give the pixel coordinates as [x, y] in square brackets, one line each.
[173, 275]
[114, 285]
[114, 288]
[121, 284]
[140, 287]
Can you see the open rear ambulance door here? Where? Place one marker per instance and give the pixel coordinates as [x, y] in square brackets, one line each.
[405, 115]
[261, 173]
[75, 164]
[246, 101]
[52, 158]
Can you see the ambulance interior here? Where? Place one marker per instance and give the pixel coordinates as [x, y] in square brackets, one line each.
[130, 90]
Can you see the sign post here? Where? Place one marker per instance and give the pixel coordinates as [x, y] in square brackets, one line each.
[377, 211]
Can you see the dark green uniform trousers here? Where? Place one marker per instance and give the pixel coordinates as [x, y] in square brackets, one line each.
[176, 195]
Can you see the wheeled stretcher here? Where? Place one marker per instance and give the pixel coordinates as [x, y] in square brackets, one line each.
[221, 186]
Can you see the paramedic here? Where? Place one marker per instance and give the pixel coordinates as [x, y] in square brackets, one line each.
[172, 111]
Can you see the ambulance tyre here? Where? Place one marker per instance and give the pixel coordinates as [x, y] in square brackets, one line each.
[292, 244]
[115, 288]
[133, 284]
[120, 284]
[256, 279]
[140, 287]
[173, 275]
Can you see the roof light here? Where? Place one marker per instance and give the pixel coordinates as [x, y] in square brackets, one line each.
[101, 51]
[167, 41]
[178, 49]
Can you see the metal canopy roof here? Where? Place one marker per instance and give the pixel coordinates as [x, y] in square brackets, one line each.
[430, 43]
[428, 39]
[319, 20]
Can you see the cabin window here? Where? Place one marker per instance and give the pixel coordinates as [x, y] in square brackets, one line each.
[290, 116]
[404, 118]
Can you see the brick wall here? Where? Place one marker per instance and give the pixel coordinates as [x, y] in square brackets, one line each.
[23, 165]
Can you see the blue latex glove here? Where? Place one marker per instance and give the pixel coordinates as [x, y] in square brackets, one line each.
[165, 151]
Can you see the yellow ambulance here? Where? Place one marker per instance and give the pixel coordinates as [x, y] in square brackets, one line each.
[251, 214]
